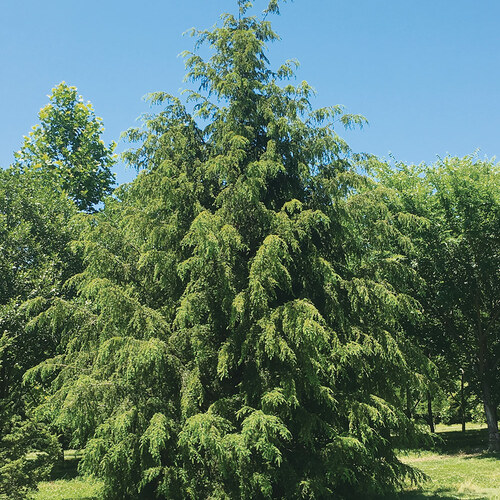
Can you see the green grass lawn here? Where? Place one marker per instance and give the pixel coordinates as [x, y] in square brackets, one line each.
[457, 467]
[68, 489]
[474, 426]
[455, 476]
[65, 483]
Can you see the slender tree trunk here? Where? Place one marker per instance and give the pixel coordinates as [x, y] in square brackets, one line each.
[484, 365]
[429, 412]
[490, 409]
[408, 403]
[462, 399]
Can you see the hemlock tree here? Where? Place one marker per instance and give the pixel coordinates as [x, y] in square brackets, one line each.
[67, 147]
[235, 334]
[459, 262]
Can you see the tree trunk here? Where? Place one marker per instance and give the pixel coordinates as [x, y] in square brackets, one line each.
[408, 403]
[485, 372]
[491, 418]
[429, 412]
[462, 399]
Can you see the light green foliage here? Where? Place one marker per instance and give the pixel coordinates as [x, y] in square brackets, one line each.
[235, 333]
[66, 146]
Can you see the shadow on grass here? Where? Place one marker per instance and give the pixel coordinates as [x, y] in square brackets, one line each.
[441, 493]
[455, 442]
[494, 454]
[67, 469]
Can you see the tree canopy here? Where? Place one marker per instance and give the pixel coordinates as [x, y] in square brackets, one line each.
[232, 334]
[458, 261]
[66, 146]
[254, 315]
[39, 202]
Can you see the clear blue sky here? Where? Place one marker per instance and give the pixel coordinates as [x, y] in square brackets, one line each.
[426, 73]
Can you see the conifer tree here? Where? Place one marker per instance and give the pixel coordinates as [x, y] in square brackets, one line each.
[235, 333]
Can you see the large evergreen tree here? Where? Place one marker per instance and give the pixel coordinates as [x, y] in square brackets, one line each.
[235, 334]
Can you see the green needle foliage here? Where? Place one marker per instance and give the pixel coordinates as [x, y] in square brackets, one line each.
[235, 332]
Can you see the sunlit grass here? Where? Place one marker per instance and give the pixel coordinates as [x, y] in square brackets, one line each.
[456, 476]
[68, 489]
[458, 468]
[458, 427]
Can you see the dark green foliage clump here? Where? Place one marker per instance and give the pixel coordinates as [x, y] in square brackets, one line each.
[27, 452]
[235, 333]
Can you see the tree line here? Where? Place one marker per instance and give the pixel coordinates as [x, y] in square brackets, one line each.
[261, 313]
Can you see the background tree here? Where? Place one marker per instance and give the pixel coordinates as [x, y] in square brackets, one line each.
[459, 262]
[37, 223]
[234, 333]
[35, 260]
[67, 146]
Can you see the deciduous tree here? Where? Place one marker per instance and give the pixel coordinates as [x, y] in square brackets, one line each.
[458, 259]
[66, 146]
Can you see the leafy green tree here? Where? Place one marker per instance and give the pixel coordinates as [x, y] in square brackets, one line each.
[235, 333]
[66, 146]
[37, 223]
[35, 261]
[459, 262]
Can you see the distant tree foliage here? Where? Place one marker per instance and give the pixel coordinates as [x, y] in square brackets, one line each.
[458, 261]
[66, 145]
[35, 261]
[236, 330]
[62, 158]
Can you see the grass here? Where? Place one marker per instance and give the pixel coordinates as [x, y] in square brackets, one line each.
[471, 476]
[457, 467]
[68, 489]
[65, 483]
[474, 426]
